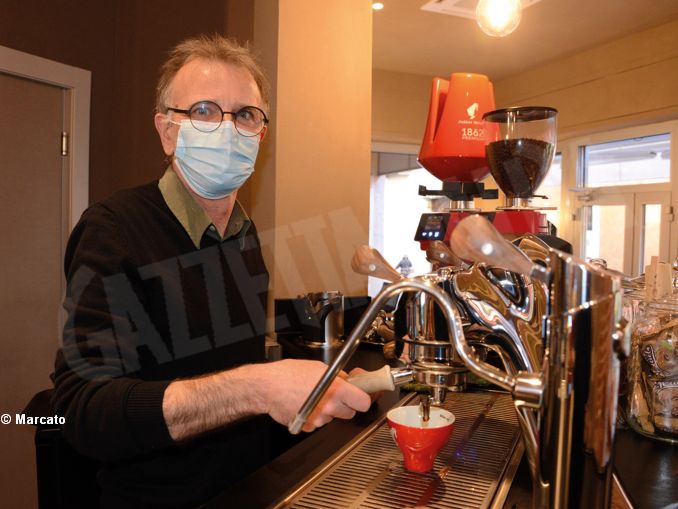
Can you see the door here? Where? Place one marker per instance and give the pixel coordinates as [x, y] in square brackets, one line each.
[625, 228]
[607, 230]
[33, 202]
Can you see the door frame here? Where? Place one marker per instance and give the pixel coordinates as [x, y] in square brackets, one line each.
[662, 198]
[76, 83]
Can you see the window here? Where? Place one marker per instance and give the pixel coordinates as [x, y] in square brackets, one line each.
[621, 196]
[397, 206]
[395, 210]
[550, 188]
[643, 160]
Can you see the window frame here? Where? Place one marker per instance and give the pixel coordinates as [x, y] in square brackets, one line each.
[572, 189]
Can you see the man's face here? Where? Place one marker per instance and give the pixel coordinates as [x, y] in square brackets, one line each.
[229, 86]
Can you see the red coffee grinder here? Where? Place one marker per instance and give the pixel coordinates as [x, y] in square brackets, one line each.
[466, 139]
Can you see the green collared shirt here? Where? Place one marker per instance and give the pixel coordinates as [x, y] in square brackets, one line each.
[194, 219]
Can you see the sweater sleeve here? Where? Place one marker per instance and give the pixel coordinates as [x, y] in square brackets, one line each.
[110, 413]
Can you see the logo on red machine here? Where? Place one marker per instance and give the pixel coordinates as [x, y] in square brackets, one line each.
[472, 111]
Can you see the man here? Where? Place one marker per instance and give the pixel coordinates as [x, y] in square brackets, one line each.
[160, 374]
[404, 266]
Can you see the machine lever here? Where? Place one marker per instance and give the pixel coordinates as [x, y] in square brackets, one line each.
[369, 262]
[475, 239]
[439, 252]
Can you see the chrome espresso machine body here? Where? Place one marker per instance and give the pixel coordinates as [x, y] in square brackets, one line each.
[567, 403]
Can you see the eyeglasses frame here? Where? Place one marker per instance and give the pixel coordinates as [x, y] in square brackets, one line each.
[232, 113]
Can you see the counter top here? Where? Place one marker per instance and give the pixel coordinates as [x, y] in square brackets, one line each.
[647, 470]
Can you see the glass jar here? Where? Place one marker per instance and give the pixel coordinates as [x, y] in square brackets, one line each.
[652, 371]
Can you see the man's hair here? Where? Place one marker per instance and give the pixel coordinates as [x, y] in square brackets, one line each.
[216, 48]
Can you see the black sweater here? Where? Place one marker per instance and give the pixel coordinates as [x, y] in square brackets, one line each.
[146, 307]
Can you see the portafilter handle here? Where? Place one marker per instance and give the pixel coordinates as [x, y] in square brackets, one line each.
[475, 239]
[383, 379]
[369, 262]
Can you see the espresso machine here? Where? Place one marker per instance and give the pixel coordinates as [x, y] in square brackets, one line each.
[554, 321]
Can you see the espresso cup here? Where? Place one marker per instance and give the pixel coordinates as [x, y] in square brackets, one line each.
[419, 440]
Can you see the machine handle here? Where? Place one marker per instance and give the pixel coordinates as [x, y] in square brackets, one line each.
[374, 381]
[368, 261]
[475, 239]
[439, 252]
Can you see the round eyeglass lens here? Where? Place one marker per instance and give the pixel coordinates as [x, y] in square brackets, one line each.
[206, 116]
[249, 121]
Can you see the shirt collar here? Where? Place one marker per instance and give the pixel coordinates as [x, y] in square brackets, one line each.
[193, 218]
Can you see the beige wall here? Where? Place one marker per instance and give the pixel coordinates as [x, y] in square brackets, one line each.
[626, 82]
[399, 106]
[310, 193]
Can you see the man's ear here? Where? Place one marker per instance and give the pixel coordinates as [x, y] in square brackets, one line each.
[263, 133]
[167, 133]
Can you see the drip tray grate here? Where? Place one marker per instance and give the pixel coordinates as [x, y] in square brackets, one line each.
[467, 472]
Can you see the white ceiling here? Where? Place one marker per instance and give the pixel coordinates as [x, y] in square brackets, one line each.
[407, 39]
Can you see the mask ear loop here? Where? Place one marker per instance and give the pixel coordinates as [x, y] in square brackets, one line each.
[168, 160]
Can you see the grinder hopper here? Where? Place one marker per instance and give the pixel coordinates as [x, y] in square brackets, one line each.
[521, 144]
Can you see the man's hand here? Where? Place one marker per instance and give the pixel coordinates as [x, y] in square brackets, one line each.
[289, 383]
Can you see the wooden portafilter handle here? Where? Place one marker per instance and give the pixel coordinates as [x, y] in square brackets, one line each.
[368, 261]
[383, 379]
[373, 381]
[475, 239]
[439, 252]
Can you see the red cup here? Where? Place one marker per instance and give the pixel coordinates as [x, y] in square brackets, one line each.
[420, 441]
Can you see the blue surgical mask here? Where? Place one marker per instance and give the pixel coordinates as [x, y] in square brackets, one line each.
[216, 163]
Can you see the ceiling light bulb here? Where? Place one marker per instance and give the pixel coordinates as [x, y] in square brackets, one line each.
[377, 6]
[498, 18]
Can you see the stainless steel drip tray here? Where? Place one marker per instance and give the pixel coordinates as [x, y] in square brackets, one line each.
[473, 470]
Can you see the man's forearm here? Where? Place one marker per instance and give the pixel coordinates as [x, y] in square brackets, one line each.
[194, 406]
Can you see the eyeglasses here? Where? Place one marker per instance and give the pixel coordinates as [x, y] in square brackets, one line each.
[206, 116]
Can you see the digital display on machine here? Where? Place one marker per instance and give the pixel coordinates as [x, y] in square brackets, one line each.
[432, 227]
